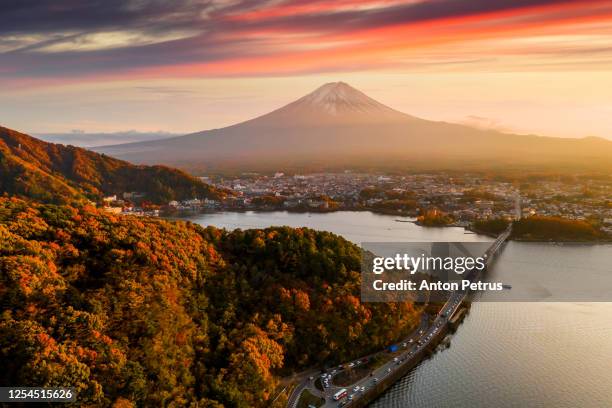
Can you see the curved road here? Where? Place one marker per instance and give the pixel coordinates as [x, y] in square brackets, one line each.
[411, 347]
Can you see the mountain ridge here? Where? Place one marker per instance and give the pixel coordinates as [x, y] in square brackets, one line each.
[50, 172]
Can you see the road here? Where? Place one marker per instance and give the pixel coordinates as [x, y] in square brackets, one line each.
[409, 350]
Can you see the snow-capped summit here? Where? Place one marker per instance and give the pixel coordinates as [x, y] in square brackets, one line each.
[338, 101]
[336, 96]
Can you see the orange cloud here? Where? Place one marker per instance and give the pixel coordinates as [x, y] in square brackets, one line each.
[302, 37]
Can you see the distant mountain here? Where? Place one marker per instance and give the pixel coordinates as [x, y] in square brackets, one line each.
[337, 125]
[56, 173]
[83, 139]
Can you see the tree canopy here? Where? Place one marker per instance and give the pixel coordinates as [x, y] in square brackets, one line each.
[146, 312]
[64, 174]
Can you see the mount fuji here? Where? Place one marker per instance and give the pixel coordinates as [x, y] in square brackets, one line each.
[338, 126]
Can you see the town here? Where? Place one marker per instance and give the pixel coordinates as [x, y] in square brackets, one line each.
[448, 199]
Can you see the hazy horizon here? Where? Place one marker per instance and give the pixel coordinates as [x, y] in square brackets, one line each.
[250, 106]
[82, 138]
[88, 140]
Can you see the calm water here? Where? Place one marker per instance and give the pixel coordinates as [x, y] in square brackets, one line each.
[504, 354]
[353, 225]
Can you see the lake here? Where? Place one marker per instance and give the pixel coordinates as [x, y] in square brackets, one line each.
[356, 226]
[505, 354]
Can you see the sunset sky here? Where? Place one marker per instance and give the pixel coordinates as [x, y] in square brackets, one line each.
[527, 66]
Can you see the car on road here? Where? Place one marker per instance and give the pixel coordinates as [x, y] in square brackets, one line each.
[375, 380]
[356, 388]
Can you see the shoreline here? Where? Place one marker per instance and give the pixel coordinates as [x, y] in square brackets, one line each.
[468, 229]
[300, 211]
[543, 241]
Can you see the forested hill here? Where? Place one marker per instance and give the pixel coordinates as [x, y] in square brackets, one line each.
[144, 312]
[56, 173]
